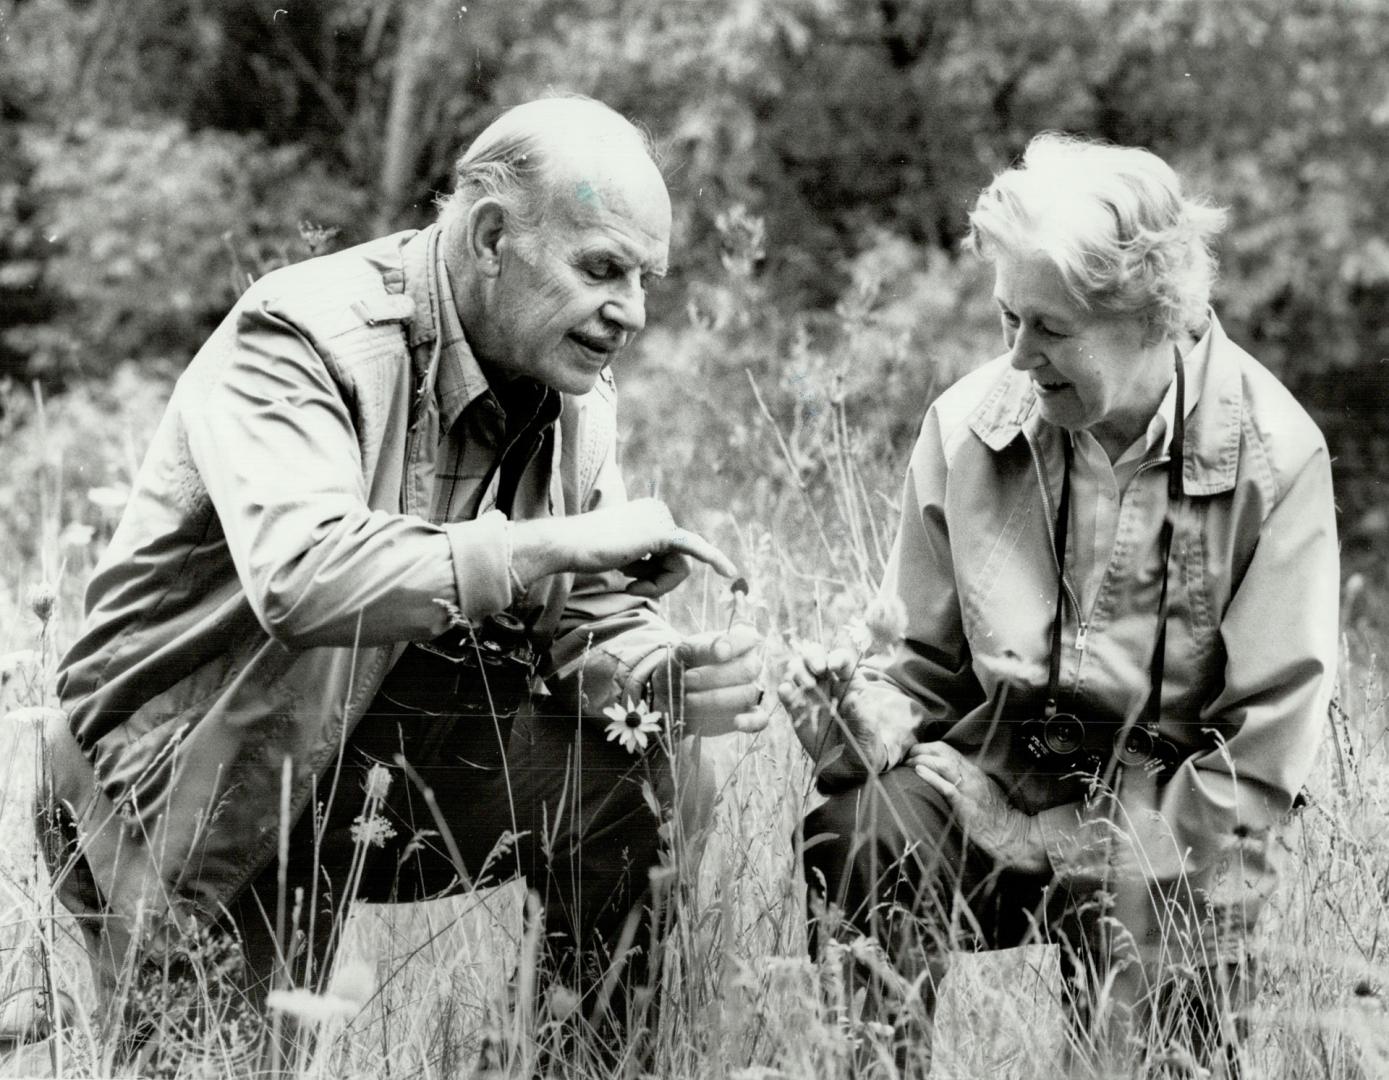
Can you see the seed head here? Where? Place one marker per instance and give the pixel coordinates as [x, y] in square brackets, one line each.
[42, 600]
[886, 619]
[378, 781]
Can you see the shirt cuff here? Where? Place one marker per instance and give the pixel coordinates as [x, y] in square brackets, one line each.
[1060, 826]
[482, 573]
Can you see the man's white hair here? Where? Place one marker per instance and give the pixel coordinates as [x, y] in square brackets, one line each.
[508, 161]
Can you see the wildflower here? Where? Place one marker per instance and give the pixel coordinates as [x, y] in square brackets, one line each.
[41, 599]
[860, 637]
[632, 726]
[371, 831]
[886, 620]
[562, 1001]
[378, 782]
[317, 237]
[743, 603]
[314, 1008]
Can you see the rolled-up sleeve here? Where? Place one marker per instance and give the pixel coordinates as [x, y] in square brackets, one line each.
[273, 440]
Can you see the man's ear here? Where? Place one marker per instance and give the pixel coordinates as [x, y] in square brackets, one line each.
[486, 230]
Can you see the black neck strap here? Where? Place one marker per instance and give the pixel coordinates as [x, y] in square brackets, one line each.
[1063, 517]
[1152, 711]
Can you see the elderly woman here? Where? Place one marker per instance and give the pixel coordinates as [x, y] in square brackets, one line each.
[1118, 563]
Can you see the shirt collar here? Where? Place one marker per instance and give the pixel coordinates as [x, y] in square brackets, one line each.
[1009, 410]
[1157, 439]
[459, 380]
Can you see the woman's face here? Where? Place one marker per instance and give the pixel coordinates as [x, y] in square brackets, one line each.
[1090, 371]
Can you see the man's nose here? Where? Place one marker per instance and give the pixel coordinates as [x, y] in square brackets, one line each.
[626, 306]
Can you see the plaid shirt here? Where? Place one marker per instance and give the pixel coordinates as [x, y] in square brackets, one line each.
[485, 448]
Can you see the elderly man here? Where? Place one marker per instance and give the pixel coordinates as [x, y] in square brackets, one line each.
[379, 590]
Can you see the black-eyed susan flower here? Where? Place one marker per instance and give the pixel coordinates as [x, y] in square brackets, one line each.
[631, 725]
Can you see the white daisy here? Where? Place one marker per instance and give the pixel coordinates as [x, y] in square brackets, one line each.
[631, 726]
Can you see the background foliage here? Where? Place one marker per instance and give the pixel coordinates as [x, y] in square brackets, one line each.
[822, 155]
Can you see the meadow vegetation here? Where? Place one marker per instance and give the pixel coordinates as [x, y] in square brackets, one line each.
[800, 485]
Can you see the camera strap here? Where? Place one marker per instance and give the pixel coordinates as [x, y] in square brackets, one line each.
[1152, 710]
[1063, 518]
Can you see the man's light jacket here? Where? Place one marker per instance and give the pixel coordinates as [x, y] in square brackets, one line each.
[276, 555]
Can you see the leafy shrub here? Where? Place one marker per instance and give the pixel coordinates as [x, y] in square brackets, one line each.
[155, 230]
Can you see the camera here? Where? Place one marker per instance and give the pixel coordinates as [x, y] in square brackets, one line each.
[499, 641]
[1146, 748]
[486, 668]
[1058, 739]
[1062, 741]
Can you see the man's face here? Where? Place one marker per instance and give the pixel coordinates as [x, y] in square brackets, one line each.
[569, 295]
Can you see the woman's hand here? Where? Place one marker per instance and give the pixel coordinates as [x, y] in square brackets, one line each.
[823, 693]
[989, 821]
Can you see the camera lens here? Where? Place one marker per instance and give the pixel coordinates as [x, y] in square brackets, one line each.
[1133, 746]
[1063, 734]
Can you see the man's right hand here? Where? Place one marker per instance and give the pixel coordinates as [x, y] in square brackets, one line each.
[824, 693]
[639, 538]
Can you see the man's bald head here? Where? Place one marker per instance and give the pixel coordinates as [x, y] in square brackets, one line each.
[520, 156]
[559, 223]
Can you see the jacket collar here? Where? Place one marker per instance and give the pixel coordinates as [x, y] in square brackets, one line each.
[1212, 428]
[459, 380]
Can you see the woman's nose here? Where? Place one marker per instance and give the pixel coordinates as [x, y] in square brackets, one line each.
[1026, 353]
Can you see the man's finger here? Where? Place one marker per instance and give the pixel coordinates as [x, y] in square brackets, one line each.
[755, 719]
[723, 699]
[697, 547]
[732, 673]
[718, 646]
[657, 575]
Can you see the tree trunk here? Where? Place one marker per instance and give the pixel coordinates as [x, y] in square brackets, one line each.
[425, 24]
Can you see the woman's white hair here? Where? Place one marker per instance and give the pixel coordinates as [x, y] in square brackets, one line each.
[1114, 220]
[508, 160]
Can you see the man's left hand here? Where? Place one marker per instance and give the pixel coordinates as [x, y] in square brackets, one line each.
[712, 679]
[989, 821]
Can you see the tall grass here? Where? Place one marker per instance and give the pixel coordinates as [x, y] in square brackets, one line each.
[448, 987]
